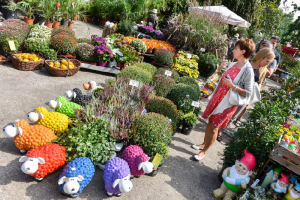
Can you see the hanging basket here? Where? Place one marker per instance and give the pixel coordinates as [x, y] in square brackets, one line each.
[26, 66]
[63, 72]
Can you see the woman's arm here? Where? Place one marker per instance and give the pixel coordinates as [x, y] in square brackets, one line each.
[236, 88]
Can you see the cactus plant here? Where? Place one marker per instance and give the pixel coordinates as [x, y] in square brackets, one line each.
[207, 64]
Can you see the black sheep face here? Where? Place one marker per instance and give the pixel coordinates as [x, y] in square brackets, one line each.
[79, 97]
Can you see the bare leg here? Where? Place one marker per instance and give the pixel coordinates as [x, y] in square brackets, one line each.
[220, 192]
[205, 137]
[230, 194]
[211, 136]
[243, 112]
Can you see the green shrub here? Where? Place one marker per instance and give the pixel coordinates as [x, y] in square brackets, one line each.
[63, 29]
[137, 74]
[148, 67]
[63, 43]
[150, 128]
[37, 44]
[190, 119]
[85, 52]
[125, 27]
[84, 40]
[189, 81]
[164, 57]
[163, 85]
[139, 45]
[6, 48]
[179, 97]
[174, 75]
[160, 148]
[50, 54]
[207, 64]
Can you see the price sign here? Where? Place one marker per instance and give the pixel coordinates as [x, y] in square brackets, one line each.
[196, 104]
[12, 45]
[156, 161]
[134, 83]
[168, 73]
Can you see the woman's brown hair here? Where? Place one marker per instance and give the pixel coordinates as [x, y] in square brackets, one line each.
[248, 45]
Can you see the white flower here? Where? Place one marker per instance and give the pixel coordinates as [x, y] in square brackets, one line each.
[107, 23]
[202, 49]
[111, 25]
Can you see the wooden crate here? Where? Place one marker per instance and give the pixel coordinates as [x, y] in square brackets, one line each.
[278, 149]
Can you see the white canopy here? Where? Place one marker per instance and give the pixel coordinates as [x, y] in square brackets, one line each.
[228, 16]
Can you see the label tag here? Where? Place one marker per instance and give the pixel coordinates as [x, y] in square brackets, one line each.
[134, 83]
[157, 160]
[12, 45]
[196, 104]
[255, 183]
[168, 73]
[144, 111]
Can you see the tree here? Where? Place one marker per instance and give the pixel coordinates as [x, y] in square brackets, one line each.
[293, 34]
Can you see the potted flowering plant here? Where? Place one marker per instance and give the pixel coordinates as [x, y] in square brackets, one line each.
[150, 31]
[102, 51]
[189, 121]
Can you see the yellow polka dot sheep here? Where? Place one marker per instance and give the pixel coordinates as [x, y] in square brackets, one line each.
[56, 121]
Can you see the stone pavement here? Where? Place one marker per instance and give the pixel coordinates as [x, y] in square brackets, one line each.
[179, 178]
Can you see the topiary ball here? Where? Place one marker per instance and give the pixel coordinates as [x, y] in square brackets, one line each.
[174, 75]
[85, 52]
[189, 81]
[137, 74]
[150, 128]
[139, 45]
[148, 67]
[163, 85]
[63, 43]
[179, 97]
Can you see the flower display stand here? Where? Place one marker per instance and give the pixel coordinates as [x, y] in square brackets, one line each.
[100, 69]
[107, 31]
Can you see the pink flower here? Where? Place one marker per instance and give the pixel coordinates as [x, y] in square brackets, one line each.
[111, 55]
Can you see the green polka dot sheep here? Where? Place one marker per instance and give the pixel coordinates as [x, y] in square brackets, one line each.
[61, 105]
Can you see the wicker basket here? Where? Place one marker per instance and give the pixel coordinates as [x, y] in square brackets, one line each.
[4, 60]
[63, 72]
[26, 66]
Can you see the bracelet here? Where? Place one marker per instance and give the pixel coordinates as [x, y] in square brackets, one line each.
[220, 73]
[235, 88]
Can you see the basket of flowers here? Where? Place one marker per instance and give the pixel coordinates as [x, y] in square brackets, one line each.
[27, 61]
[63, 67]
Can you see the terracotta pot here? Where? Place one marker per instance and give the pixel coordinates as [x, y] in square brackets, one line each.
[55, 24]
[150, 50]
[71, 24]
[28, 21]
[75, 18]
[84, 19]
[90, 19]
[64, 23]
[121, 66]
[70, 56]
[100, 63]
[48, 24]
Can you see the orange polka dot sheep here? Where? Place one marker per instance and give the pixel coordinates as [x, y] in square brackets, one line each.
[27, 137]
[44, 160]
[56, 121]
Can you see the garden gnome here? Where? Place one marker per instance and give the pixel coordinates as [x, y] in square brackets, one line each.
[73, 4]
[57, 7]
[276, 172]
[293, 193]
[152, 19]
[279, 187]
[236, 177]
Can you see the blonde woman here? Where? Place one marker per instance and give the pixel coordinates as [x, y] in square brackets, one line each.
[260, 63]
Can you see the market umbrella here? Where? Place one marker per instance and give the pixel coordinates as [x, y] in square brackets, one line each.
[228, 16]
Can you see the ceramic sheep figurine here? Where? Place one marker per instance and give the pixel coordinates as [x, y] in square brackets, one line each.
[56, 121]
[137, 160]
[76, 176]
[117, 177]
[44, 160]
[27, 137]
[61, 105]
[91, 87]
[76, 96]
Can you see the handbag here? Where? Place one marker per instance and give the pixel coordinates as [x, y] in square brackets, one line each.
[235, 98]
[255, 97]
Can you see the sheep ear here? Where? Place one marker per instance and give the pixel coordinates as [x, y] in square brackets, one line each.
[80, 178]
[116, 182]
[23, 158]
[41, 160]
[141, 165]
[41, 116]
[62, 180]
[59, 104]
[19, 130]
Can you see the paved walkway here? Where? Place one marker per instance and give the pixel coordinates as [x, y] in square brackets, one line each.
[179, 178]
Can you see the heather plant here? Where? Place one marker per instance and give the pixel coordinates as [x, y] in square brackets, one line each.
[198, 31]
[117, 104]
[84, 40]
[163, 85]
[63, 43]
[148, 67]
[137, 74]
[164, 57]
[63, 29]
[85, 52]
[174, 75]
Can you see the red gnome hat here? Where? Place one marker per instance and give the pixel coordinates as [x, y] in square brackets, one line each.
[284, 178]
[248, 160]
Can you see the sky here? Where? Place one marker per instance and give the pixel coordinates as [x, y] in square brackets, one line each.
[289, 3]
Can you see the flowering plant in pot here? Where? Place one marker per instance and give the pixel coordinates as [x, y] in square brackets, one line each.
[103, 53]
[85, 52]
[189, 121]
[163, 85]
[150, 31]
[164, 57]
[139, 45]
[137, 74]
[63, 43]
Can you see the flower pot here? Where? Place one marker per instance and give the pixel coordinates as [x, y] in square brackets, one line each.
[160, 65]
[48, 24]
[55, 24]
[101, 63]
[64, 23]
[90, 19]
[70, 56]
[97, 21]
[1, 5]
[28, 21]
[8, 14]
[38, 19]
[150, 50]
[71, 24]
[121, 66]
[153, 173]
[75, 18]
[186, 130]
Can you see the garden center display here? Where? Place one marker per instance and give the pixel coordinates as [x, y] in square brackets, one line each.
[61, 105]
[280, 186]
[293, 192]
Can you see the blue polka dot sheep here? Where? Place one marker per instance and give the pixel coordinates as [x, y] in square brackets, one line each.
[76, 96]
[117, 177]
[76, 176]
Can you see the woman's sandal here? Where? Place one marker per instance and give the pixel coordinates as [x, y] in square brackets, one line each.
[237, 122]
